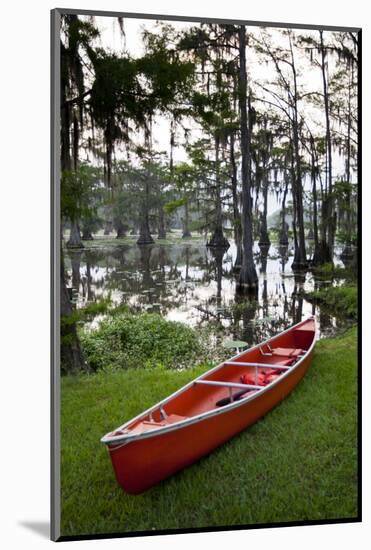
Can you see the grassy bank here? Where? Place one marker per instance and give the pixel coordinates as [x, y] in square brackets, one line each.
[337, 300]
[298, 463]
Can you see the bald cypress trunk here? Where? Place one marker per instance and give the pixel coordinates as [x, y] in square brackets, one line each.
[300, 257]
[248, 278]
[161, 223]
[264, 240]
[72, 360]
[237, 225]
[120, 230]
[284, 237]
[264, 235]
[186, 231]
[314, 164]
[218, 239]
[348, 252]
[325, 249]
[75, 237]
[145, 236]
[86, 233]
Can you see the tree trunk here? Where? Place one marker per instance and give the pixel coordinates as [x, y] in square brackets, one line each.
[108, 227]
[284, 237]
[264, 235]
[75, 257]
[108, 210]
[71, 357]
[89, 292]
[145, 236]
[120, 229]
[297, 304]
[65, 112]
[237, 226]
[218, 254]
[161, 223]
[348, 252]
[248, 278]
[315, 210]
[218, 240]
[324, 255]
[86, 232]
[300, 257]
[75, 237]
[145, 262]
[72, 360]
[328, 233]
[186, 231]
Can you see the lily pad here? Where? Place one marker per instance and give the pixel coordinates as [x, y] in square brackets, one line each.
[230, 344]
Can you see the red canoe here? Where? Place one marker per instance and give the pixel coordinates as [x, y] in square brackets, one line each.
[210, 410]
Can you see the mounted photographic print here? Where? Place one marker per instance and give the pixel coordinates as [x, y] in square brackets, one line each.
[205, 218]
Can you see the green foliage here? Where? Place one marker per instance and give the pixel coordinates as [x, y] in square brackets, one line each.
[340, 300]
[347, 237]
[168, 78]
[79, 190]
[145, 340]
[342, 189]
[77, 36]
[324, 270]
[331, 271]
[114, 95]
[79, 33]
[171, 206]
[87, 313]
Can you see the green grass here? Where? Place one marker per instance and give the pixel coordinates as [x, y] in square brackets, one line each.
[298, 463]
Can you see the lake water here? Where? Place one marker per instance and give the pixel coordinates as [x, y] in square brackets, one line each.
[187, 282]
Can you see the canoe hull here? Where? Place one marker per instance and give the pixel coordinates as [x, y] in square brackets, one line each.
[139, 464]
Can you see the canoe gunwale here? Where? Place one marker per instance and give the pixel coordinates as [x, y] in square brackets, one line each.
[116, 442]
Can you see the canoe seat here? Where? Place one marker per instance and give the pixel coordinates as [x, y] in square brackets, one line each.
[288, 352]
[172, 418]
[147, 425]
[292, 353]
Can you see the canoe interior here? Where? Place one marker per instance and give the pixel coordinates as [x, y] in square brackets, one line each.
[283, 350]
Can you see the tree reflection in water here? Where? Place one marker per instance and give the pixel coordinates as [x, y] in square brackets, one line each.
[194, 285]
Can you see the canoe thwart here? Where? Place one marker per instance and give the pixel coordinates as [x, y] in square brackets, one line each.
[258, 365]
[228, 384]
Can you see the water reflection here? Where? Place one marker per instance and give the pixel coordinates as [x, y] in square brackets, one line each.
[197, 286]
